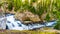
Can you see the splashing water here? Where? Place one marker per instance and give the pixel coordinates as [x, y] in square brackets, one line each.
[13, 24]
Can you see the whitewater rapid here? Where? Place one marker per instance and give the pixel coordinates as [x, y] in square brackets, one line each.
[13, 24]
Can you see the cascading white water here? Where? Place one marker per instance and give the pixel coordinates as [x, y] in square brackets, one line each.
[2, 23]
[17, 25]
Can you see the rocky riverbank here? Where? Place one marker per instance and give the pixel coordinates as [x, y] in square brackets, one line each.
[26, 16]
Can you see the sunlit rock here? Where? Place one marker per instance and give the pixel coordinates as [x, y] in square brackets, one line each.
[27, 16]
[20, 16]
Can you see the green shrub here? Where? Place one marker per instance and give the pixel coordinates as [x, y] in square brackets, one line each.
[57, 26]
[10, 6]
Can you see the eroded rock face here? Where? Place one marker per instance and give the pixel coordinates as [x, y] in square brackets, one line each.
[27, 15]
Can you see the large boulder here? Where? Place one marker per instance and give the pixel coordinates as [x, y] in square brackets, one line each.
[27, 16]
[32, 17]
[20, 16]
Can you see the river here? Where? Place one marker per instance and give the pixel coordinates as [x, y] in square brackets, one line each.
[13, 24]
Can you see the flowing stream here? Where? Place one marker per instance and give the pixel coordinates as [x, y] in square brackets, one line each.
[13, 24]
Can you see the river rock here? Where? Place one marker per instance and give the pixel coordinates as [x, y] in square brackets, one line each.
[27, 15]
